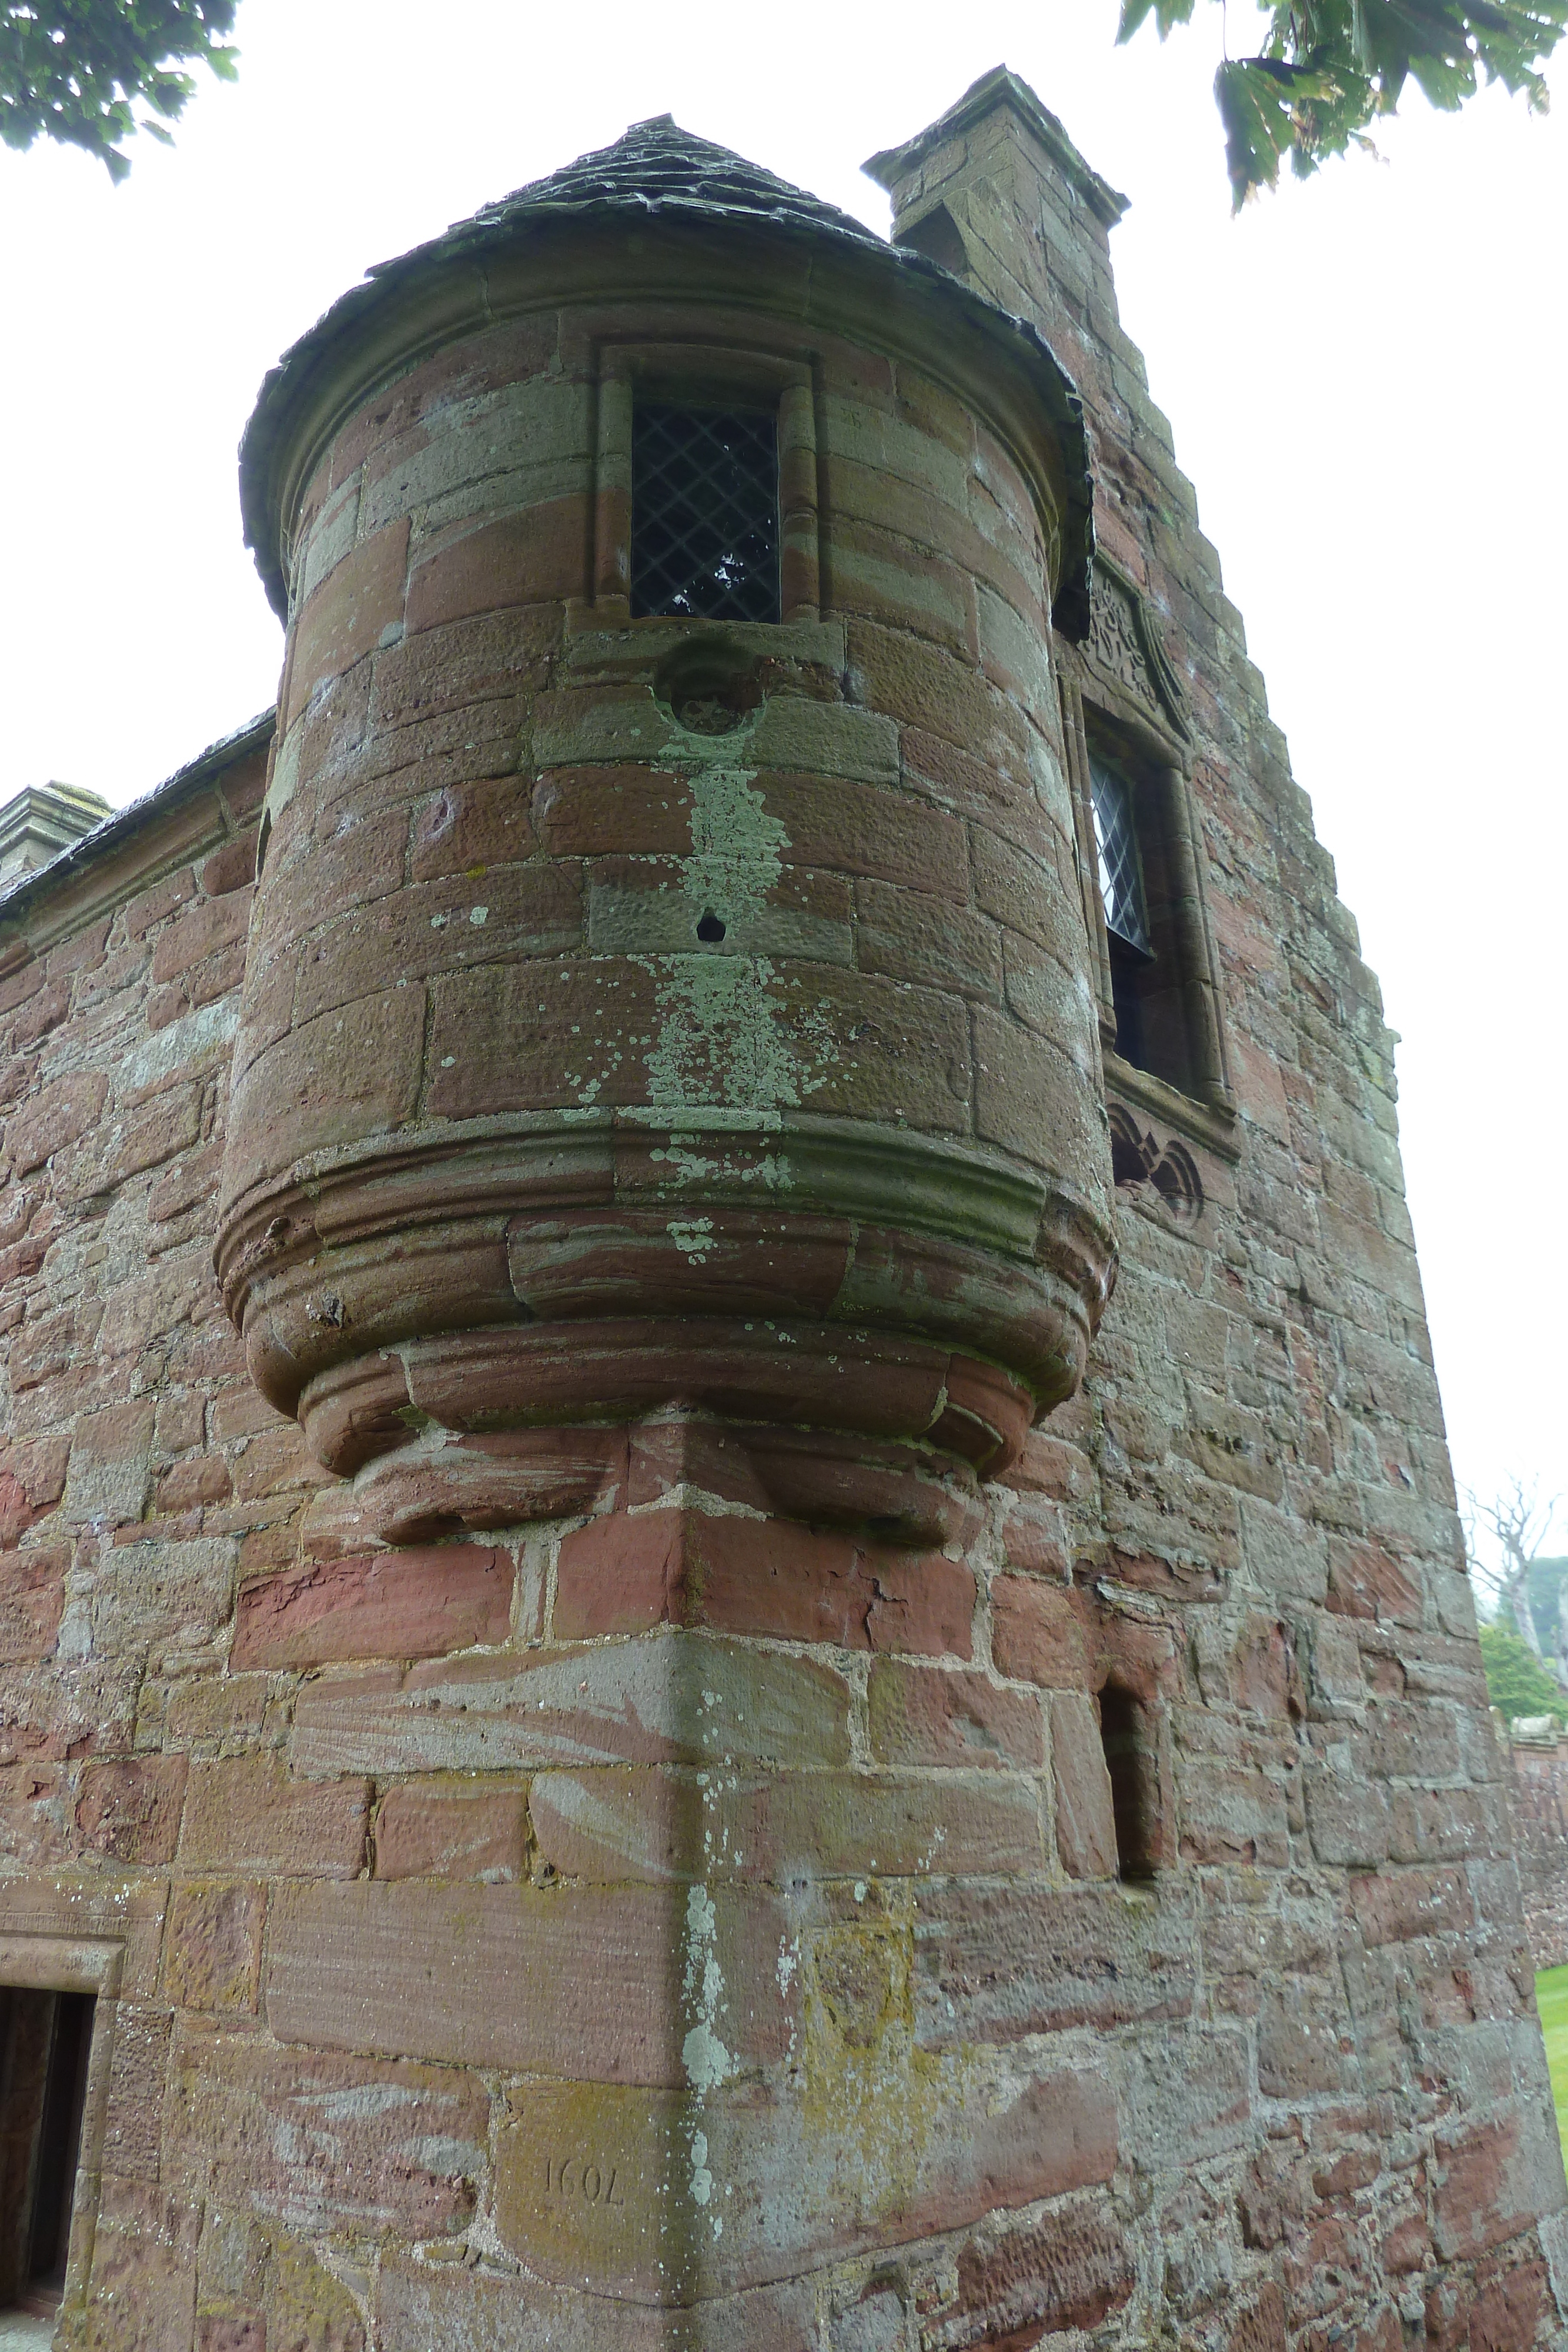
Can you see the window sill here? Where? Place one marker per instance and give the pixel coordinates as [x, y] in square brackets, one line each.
[1200, 1122]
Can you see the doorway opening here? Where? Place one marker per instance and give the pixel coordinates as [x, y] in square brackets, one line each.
[45, 2042]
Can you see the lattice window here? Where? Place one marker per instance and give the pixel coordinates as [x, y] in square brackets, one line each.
[1120, 877]
[705, 512]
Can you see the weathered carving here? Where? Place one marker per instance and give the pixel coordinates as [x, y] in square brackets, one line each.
[1142, 1158]
[1124, 646]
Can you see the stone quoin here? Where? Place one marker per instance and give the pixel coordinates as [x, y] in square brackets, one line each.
[730, 1611]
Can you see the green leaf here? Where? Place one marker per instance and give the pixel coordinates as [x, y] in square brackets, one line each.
[71, 69]
[1326, 69]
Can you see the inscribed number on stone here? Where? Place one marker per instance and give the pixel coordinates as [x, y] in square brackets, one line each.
[579, 2176]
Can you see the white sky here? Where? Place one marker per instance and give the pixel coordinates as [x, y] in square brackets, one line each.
[1365, 375]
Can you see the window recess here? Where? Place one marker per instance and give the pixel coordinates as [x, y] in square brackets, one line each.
[705, 485]
[1140, 860]
[705, 512]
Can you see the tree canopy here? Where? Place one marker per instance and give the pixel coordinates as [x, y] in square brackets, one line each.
[91, 73]
[1326, 69]
[1517, 1682]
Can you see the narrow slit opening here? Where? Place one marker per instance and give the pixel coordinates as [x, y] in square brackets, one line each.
[1129, 1761]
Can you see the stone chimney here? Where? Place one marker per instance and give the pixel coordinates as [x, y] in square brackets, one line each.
[996, 191]
[40, 821]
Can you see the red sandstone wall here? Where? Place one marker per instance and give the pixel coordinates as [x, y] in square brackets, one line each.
[379, 1830]
[1541, 1835]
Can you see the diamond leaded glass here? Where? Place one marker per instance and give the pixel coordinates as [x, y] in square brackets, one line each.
[705, 512]
[1120, 882]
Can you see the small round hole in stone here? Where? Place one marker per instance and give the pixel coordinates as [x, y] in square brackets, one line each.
[711, 928]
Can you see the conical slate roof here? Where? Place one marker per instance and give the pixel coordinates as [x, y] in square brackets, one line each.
[658, 167]
[654, 170]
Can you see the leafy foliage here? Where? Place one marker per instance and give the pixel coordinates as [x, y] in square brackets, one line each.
[1325, 70]
[1517, 1682]
[76, 69]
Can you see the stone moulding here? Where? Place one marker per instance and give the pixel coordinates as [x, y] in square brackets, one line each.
[572, 1278]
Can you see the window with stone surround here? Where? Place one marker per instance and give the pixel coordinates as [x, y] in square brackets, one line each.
[45, 2038]
[705, 512]
[704, 504]
[1159, 1003]
[1120, 870]
[1130, 752]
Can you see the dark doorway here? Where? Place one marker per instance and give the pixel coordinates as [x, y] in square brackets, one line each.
[45, 2041]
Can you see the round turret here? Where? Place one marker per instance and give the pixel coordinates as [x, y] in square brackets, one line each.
[668, 987]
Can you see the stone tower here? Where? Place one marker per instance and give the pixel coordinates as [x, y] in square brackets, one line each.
[812, 1688]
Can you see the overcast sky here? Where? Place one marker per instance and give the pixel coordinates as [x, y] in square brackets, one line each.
[1365, 376]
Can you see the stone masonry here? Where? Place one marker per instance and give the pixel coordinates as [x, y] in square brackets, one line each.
[730, 1612]
[1538, 1752]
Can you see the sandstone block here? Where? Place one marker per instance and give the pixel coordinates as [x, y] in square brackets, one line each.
[453, 1829]
[128, 1808]
[791, 1828]
[527, 557]
[626, 1572]
[455, 920]
[32, 1599]
[927, 941]
[960, 2156]
[605, 811]
[58, 1115]
[470, 828]
[326, 2142]
[416, 1604]
[1304, 2047]
[918, 1715]
[1085, 1819]
[162, 1593]
[1071, 2269]
[1233, 1813]
[1038, 1634]
[349, 613]
[212, 1954]
[994, 1964]
[1348, 1820]
[202, 930]
[465, 2310]
[345, 1075]
[247, 1815]
[586, 1982]
[683, 1699]
[134, 2124]
[1368, 1581]
[887, 837]
[1188, 2099]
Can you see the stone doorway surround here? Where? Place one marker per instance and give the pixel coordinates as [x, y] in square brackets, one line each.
[41, 1963]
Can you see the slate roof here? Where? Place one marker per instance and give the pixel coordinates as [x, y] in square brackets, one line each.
[658, 167]
[654, 170]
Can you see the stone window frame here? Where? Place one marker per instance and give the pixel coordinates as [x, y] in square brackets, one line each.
[1161, 760]
[43, 1963]
[706, 375]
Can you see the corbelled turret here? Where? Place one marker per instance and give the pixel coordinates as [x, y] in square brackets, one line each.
[668, 991]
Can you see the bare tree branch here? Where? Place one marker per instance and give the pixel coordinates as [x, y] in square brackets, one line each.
[1518, 1521]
